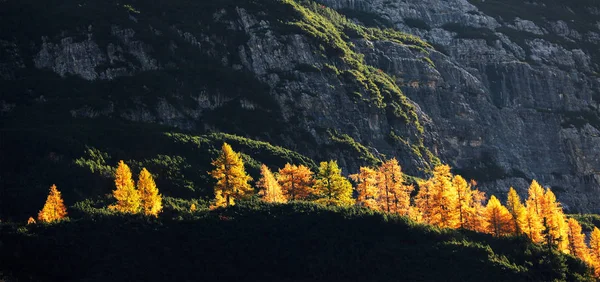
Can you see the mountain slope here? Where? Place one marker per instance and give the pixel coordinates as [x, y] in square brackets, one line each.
[505, 96]
[274, 71]
[254, 241]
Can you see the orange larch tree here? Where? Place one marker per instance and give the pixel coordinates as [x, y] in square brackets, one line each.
[151, 199]
[296, 181]
[270, 190]
[577, 246]
[366, 187]
[475, 213]
[517, 211]
[54, 209]
[128, 198]
[424, 202]
[498, 218]
[394, 196]
[232, 179]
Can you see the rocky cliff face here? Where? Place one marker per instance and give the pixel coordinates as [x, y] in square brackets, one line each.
[503, 99]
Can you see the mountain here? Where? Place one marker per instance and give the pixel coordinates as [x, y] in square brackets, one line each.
[500, 92]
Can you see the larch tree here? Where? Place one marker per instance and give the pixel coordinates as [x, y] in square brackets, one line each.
[444, 199]
[517, 211]
[533, 223]
[595, 249]
[296, 181]
[270, 190]
[536, 196]
[151, 199]
[464, 198]
[498, 218]
[232, 179]
[394, 195]
[331, 188]
[554, 220]
[128, 198]
[424, 202]
[577, 246]
[475, 213]
[54, 209]
[366, 187]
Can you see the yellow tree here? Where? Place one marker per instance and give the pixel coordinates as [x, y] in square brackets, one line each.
[464, 198]
[151, 199]
[475, 213]
[577, 246]
[595, 249]
[128, 198]
[554, 220]
[424, 202]
[517, 211]
[533, 223]
[444, 199]
[232, 179]
[331, 188]
[394, 195]
[54, 209]
[366, 187]
[536, 196]
[270, 188]
[498, 218]
[296, 181]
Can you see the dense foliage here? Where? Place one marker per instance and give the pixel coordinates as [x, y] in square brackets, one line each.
[297, 241]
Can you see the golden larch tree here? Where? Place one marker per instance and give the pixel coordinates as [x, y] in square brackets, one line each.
[464, 198]
[533, 223]
[475, 213]
[232, 179]
[128, 198]
[151, 199]
[331, 188]
[536, 196]
[577, 246]
[30, 220]
[54, 209]
[270, 190]
[296, 181]
[498, 218]
[517, 211]
[554, 221]
[394, 196]
[444, 198]
[193, 208]
[366, 188]
[595, 250]
[424, 202]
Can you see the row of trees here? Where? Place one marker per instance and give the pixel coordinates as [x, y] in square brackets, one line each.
[145, 198]
[444, 200]
[293, 182]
